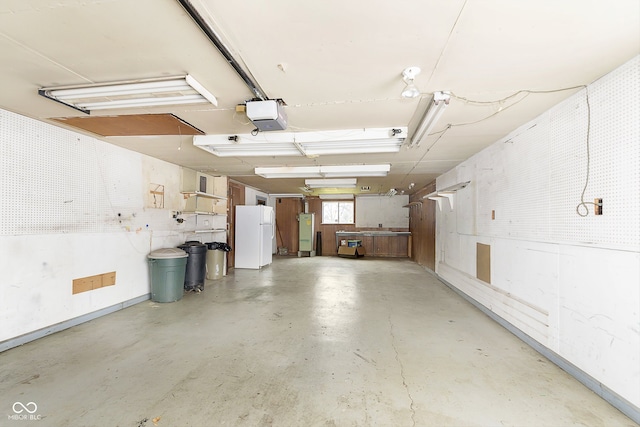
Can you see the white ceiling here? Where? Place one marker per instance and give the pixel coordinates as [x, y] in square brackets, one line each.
[337, 64]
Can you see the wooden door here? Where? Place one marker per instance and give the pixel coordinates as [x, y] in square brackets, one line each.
[287, 210]
[236, 197]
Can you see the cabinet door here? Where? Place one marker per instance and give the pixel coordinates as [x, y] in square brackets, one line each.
[367, 243]
[391, 246]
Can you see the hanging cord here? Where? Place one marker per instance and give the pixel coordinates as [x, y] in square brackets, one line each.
[525, 92]
[582, 203]
[415, 165]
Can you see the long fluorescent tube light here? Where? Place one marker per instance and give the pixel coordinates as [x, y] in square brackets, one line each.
[336, 171]
[351, 147]
[341, 171]
[289, 172]
[350, 141]
[331, 183]
[434, 111]
[336, 196]
[276, 149]
[287, 195]
[131, 93]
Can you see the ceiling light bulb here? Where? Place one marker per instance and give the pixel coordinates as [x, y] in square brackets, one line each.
[410, 90]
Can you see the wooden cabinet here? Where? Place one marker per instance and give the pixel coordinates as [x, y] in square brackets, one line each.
[391, 245]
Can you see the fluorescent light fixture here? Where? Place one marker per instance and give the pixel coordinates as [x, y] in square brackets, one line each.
[350, 141]
[355, 170]
[331, 183]
[351, 147]
[391, 192]
[337, 171]
[336, 196]
[274, 149]
[287, 195]
[434, 111]
[289, 172]
[131, 93]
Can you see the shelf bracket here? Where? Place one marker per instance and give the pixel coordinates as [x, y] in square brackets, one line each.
[448, 193]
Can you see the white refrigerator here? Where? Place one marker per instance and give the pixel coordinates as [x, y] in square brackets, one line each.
[255, 228]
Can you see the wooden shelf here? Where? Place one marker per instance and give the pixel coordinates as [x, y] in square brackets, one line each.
[446, 193]
[188, 194]
[203, 213]
[412, 204]
[213, 230]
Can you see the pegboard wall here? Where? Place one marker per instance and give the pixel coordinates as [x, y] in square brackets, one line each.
[58, 181]
[614, 161]
[529, 184]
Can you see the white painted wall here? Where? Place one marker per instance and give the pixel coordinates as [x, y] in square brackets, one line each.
[73, 206]
[570, 282]
[371, 211]
[251, 196]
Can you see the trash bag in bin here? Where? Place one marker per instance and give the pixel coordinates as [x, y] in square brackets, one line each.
[221, 246]
[216, 259]
[196, 265]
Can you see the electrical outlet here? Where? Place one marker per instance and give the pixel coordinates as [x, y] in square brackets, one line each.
[597, 203]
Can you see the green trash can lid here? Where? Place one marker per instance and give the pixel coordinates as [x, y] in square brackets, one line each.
[168, 253]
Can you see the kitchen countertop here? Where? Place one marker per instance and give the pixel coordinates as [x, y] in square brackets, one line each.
[373, 233]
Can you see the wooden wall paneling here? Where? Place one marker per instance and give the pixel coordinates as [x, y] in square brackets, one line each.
[132, 124]
[398, 246]
[236, 197]
[328, 231]
[369, 244]
[422, 224]
[287, 210]
[382, 245]
[329, 237]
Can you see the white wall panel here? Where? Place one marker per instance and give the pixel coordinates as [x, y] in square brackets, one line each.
[71, 207]
[568, 281]
[614, 162]
[599, 315]
[371, 211]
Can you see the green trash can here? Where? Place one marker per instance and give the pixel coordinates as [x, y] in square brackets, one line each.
[167, 270]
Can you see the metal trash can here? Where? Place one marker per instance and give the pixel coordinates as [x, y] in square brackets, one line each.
[166, 270]
[196, 265]
[216, 254]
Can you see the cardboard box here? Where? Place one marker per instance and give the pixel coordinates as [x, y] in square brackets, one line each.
[351, 251]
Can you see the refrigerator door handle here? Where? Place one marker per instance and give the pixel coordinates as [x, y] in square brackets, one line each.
[273, 223]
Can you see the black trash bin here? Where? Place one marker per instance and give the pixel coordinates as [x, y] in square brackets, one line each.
[196, 265]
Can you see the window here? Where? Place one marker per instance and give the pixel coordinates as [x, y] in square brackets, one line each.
[337, 212]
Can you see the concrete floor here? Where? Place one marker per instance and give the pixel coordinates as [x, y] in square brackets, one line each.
[318, 341]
